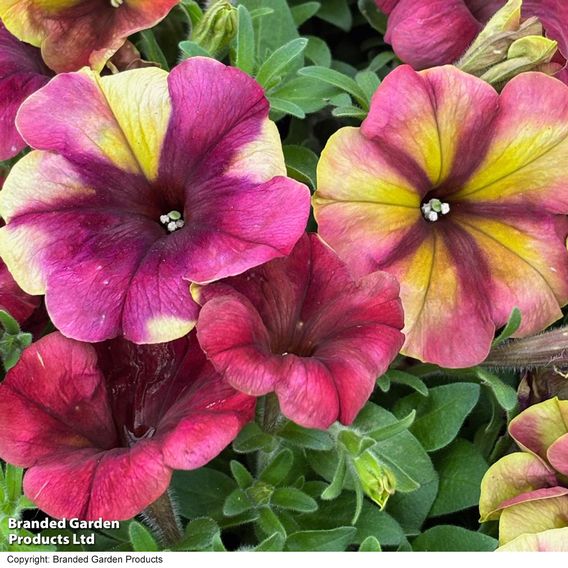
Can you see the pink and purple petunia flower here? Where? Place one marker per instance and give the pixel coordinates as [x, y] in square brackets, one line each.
[303, 328]
[101, 428]
[141, 183]
[461, 194]
[426, 33]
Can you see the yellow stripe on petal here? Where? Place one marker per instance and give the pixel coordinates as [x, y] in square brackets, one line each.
[353, 169]
[167, 328]
[262, 159]
[140, 102]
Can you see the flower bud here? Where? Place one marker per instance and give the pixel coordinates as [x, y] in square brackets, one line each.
[215, 31]
[508, 46]
[377, 480]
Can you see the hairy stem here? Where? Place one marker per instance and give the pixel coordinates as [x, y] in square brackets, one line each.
[162, 518]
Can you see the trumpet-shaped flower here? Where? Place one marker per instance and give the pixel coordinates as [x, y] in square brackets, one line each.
[528, 491]
[22, 72]
[461, 194]
[303, 328]
[77, 33]
[425, 33]
[141, 184]
[102, 427]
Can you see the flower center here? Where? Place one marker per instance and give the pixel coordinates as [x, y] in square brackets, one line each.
[172, 221]
[432, 210]
[116, 3]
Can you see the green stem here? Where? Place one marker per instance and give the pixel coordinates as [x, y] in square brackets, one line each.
[162, 518]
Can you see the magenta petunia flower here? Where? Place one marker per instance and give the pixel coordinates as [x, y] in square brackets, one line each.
[305, 329]
[102, 427]
[426, 33]
[13, 299]
[143, 183]
[527, 491]
[22, 72]
[461, 194]
[77, 33]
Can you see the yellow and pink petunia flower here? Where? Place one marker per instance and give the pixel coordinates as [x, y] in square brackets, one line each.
[142, 183]
[101, 428]
[528, 491]
[461, 193]
[77, 33]
[426, 33]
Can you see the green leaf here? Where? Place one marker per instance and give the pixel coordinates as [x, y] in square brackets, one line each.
[336, 12]
[373, 15]
[272, 30]
[152, 50]
[446, 538]
[402, 378]
[505, 395]
[141, 538]
[368, 81]
[461, 468]
[318, 52]
[13, 480]
[410, 510]
[293, 499]
[269, 522]
[370, 544]
[260, 12]
[301, 164]
[337, 79]
[278, 468]
[202, 492]
[244, 53]
[303, 12]
[349, 111]
[286, 107]
[280, 61]
[381, 60]
[386, 432]
[440, 416]
[334, 540]
[510, 328]
[334, 489]
[274, 543]
[251, 439]
[10, 325]
[307, 93]
[200, 534]
[236, 503]
[241, 474]
[192, 49]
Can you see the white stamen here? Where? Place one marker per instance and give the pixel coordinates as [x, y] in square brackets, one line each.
[116, 3]
[172, 221]
[179, 224]
[164, 219]
[172, 226]
[433, 209]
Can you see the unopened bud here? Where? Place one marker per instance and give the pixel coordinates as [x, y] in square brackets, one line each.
[377, 480]
[508, 46]
[217, 28]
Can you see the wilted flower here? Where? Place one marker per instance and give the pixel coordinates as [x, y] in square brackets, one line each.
[102, 427]
[456, 191]
[22, 72]
[425, 33]
[528, 491]
[305, 329]
[77, 33]
[143, 183]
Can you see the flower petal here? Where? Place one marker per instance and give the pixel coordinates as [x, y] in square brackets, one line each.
[13, 299]
[540, 425]
[54, 402]
[90, 485]
[554, 540]
[557, 454]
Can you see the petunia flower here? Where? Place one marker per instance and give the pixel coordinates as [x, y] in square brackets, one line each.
[143, 183]
[22, 72]
[303, 328]
[527, 491]
[426, 33]
[77, 33]
[461, 194]
[102, 427]
[554, 540]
